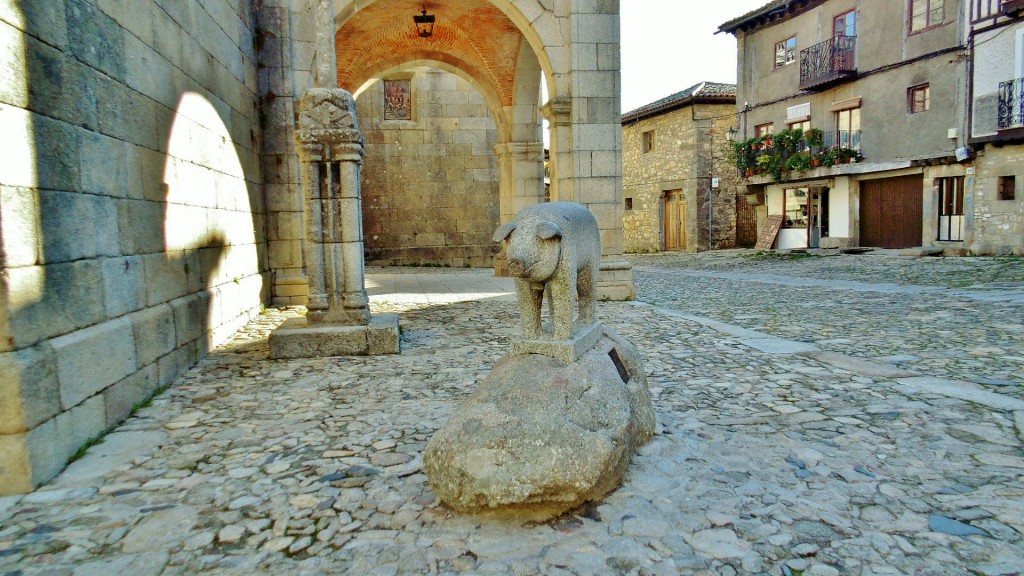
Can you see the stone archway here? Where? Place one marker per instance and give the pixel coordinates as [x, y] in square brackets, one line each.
[508, 47]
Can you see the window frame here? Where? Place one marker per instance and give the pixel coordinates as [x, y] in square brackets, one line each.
[1006, 193]
[951, 210]
[787, 60]
[839, 130]
[764, 129]
[852, 11]
[926, 88]
[647, 141]
[929, 24]
[806, 218]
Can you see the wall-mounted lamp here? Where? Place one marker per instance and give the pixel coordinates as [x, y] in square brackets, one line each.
[731, 133]
[424, 23]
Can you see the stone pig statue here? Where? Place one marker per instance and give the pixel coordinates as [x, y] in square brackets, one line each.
[555, 245]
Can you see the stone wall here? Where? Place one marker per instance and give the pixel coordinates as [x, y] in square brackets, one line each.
[998, 225]
[292, 39]
[430, 184]
[128, 203]
[689, 149]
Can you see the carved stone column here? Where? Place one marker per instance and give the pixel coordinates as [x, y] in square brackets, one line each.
[338, 320]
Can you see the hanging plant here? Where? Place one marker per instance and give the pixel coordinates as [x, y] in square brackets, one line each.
[815, 138]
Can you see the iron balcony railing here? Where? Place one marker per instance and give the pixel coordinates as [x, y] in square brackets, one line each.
[828, 62]
[1011, 104]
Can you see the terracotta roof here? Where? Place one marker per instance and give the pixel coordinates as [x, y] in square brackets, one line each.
[703, 92]
[769, 13]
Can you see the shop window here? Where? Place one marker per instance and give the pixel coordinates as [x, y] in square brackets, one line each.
[785, 52]
[951, 208]
[1007, 188]
[919, 99]
[794, 208]
[648, 144]
[925, 14]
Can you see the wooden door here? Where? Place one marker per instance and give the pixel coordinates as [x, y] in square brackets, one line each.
[675, 220]
[891, 212]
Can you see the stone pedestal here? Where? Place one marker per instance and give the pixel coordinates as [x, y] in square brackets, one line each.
[299, 338]
[564, 351]
[616, 281]
[338, 318]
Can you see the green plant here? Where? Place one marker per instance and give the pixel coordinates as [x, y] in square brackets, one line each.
[770, 163]
[787, 141]
[847, 155]
[830, 157]
[742, 153]
[798, 162]
[815, 138]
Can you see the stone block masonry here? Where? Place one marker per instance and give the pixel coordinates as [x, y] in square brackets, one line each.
[430, 184]
[132, 237]
[688, 149]
[998, 215]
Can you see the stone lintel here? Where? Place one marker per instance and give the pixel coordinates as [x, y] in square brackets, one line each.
[564, 351]
[297, 338]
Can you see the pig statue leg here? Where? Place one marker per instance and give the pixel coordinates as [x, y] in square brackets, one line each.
[564, 299]
[529, 296]
[585, 287]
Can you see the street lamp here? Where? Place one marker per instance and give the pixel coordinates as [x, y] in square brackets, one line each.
[424, 24]
[731, 133]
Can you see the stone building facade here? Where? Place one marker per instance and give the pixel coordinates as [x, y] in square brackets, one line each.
[150, 210]
[995, 40]
[671, 151]
[430, 182]
[883, 80]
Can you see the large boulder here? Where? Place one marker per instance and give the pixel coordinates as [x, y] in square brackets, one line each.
[538, 438]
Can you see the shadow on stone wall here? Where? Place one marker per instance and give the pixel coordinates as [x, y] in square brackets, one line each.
[122, 262]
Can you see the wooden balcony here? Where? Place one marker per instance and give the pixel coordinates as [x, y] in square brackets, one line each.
[827, 63]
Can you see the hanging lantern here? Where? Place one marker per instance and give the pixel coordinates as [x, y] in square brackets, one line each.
[424, 24]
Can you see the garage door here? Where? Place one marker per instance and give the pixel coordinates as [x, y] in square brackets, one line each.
[891, 213]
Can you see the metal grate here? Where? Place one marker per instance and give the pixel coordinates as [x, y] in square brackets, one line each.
[1011, 103]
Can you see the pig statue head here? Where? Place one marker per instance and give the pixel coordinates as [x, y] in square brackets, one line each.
[533, 249]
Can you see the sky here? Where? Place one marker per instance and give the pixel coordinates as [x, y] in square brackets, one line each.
[670, 45]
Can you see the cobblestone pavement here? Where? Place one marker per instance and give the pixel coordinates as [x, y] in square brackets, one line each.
[820, 416]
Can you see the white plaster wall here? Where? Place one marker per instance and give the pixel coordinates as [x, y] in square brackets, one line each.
[839, 209]
[791, 238]
[994, 62]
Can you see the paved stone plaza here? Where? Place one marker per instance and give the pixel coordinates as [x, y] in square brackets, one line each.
[817, 415]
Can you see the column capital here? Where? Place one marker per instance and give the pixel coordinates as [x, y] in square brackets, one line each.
[558, 111]
[328, 129]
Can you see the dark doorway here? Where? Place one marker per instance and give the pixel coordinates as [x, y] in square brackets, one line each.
[746, 223]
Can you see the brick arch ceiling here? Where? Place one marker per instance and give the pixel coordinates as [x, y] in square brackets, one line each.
[471, 35]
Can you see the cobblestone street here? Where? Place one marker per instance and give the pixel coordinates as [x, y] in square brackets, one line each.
[849, 414]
